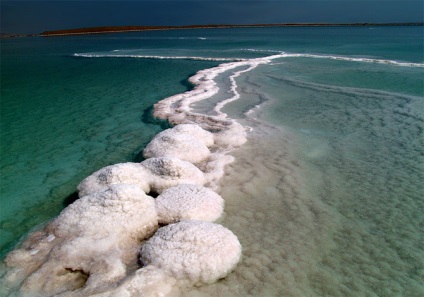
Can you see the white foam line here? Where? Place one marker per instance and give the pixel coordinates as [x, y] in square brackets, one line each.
[155, 57]
[365, 60]
[259, 50]
[281, 55]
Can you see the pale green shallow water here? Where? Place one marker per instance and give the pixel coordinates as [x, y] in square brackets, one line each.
[326, 197]
[361, 166]
[64, 117]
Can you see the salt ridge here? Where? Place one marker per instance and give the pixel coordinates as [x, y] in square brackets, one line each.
[281, 53]
[366, 60]
[177, 107]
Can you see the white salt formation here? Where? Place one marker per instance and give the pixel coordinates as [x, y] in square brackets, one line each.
[89, 244]
[176, 109]
[186, 142]
[165, 173]
[93, 245]
[206, 137]
[123, 173]
[194, 252]
[184, 147]
[145, 282]
[151, 175]
[193, 144]
[188, 202]
[181, 255]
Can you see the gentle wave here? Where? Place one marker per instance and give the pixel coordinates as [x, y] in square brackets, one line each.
[341, 58]
[259, 50]
[232, 59]
[157, 57]
[351, 59]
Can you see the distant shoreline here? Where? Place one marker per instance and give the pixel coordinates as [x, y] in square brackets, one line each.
[121, 29]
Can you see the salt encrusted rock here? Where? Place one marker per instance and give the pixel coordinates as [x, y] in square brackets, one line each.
[187, 142]
[188, 202]
[122, 209]
[206, 137]
[184, 147]
[151, 175]
[121, 173]
[145, 282]
[165, 173]
[195, 252]
[91, 242]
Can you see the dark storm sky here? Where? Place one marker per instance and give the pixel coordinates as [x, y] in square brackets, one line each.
[36, 16]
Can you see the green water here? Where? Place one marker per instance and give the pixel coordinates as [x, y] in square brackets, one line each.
[63, 118]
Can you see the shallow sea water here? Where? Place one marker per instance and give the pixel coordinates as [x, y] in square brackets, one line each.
[331, 204]
[61, 123]
[326, 196]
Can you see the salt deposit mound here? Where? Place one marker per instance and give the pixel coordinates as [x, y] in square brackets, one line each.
[165, 173]
[206, 137]
[187, 142]
[151, 175]
[194, 252]
[181, 255]
[188, 202]
[122, 173]
[184, 147]
[122, 209]
[89, 244]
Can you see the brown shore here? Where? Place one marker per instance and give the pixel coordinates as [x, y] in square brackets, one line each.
[117, 29]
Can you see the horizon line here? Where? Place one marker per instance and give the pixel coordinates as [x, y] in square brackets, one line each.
[130, 28]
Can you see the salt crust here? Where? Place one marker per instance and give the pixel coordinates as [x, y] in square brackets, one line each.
[90, 245]
[176, 109]
[100, 214]
[187, 142]
[97, 235]
[184, 147]
[165, 173]
[206, 137]
[188, 202]
[194, 252]
[146, 282]
[127, 173]
[179, 255]
[151, 175]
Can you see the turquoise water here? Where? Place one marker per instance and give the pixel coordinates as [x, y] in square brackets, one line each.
[64, 117]
[326, 197]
